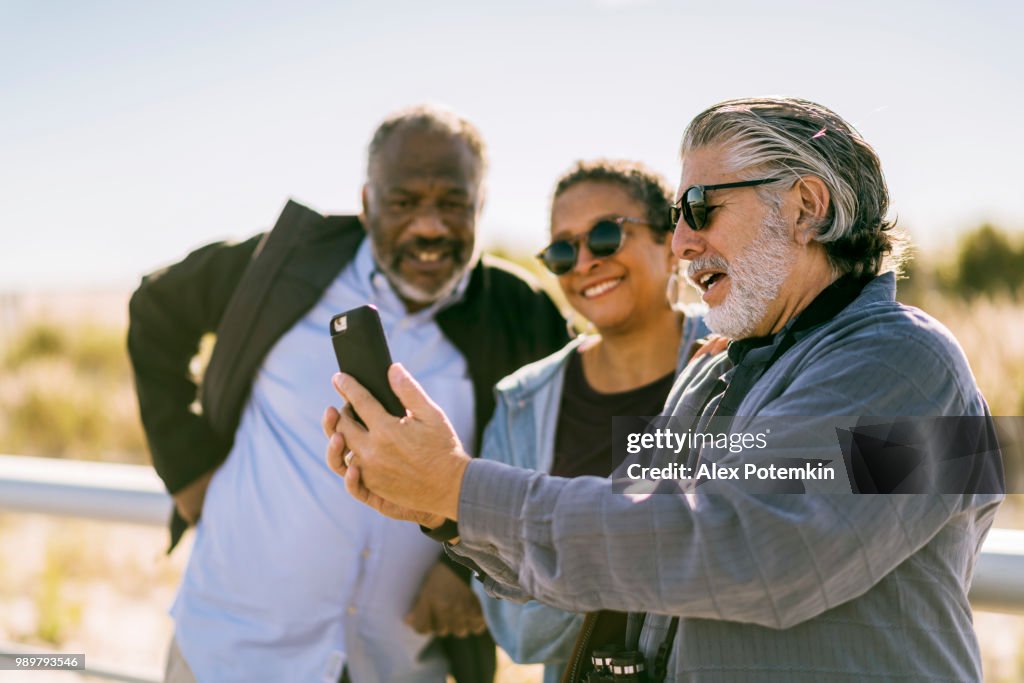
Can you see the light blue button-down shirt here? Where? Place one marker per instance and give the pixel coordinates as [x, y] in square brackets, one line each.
[289, 577]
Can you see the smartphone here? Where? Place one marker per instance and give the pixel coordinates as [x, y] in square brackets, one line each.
[362, 351]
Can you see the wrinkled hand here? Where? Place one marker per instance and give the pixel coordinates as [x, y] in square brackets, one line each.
[336, 452]
[408, 468]
[446, 605]
[189, 500]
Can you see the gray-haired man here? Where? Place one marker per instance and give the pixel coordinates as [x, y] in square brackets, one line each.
[782, 215]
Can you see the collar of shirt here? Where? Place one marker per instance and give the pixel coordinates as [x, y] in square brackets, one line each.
[381, 294]
[825, 306]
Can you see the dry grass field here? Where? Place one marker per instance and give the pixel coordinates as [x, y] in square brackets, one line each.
[103, 589]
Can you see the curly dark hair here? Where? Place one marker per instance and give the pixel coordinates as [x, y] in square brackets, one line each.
[643, 184]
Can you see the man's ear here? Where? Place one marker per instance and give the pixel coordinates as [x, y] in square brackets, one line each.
[482, 198]
[366, 202]
[813, 203]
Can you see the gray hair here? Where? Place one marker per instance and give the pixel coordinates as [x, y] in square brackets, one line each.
[791, 137]
[428, 117]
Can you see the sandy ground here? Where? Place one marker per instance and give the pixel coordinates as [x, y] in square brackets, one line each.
[114, 586]
[97, 588]
[105, 589]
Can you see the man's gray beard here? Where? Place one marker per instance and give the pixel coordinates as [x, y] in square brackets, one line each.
[412, 293]
[417, 295]
[756, 276]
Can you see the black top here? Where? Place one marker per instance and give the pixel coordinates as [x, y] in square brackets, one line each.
[583, 442]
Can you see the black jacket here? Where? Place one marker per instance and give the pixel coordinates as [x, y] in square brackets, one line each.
[250, 293]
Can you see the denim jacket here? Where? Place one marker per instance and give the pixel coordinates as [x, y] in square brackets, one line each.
[522, 433]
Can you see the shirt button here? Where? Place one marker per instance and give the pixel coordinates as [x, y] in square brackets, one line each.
[365, 554]
[352, 609]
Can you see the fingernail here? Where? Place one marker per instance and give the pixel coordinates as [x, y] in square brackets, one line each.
[337, 380]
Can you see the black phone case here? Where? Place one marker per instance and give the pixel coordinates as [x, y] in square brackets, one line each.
[362, 351]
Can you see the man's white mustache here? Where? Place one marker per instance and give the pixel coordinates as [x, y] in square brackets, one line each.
[706, 263]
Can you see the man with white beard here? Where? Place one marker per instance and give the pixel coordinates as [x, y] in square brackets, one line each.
[758, 273]
[782, 215]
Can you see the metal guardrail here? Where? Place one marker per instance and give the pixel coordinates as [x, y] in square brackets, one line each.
[75, 488]
[134, 494]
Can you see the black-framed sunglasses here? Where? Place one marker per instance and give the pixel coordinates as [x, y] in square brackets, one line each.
[603, 239]
[693, 208]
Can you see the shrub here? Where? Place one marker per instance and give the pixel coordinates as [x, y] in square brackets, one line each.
[41, 340]
[989, 262]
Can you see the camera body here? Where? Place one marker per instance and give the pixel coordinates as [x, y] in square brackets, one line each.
[616, 665]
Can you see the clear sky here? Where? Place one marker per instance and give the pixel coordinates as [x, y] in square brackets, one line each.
[131, 132]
